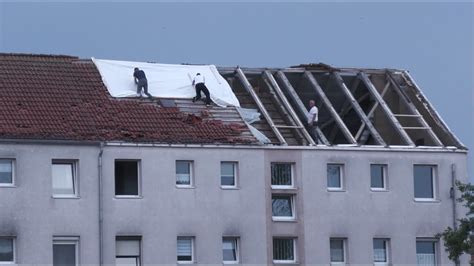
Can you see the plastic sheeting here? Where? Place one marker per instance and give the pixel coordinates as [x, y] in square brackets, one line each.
[250, 116]
[164, 80]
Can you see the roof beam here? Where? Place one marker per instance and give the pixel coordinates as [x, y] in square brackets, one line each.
[249, 89]
[413, 109]
[375, 134]
[299, 104]
[286, 106]
[393, 120]
[309, 76]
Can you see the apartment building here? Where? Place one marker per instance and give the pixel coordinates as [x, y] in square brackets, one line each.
[91, 179]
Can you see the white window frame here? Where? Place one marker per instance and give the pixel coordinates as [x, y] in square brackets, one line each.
[68, 240]
[75, 178]
[293, 209]
[237, 250]
[292, 172]
[344, 251]
[13, 238]
[434, 173]
[295, 257]
[236, 174]
[191, 174]
[139, 181]
[193, 258]
[341, 177]
[387, 253]
[436, 251]
[384, 179]
[13, 164]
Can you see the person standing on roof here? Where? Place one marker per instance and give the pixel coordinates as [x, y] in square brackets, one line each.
[141, 81]
[313, 119]
[199, 83]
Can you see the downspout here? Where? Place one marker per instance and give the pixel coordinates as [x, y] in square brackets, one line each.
[453, 200]
[101, 216]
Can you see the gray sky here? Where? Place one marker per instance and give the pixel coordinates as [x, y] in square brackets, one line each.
[433, 40]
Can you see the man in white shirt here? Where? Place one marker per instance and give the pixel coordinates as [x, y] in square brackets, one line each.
[199, 83]
[313, 119]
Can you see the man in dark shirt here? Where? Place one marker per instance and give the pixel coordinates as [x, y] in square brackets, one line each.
[141, 81]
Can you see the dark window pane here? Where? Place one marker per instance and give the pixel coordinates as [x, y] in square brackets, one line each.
[6, 249]
[380, 250]
[425, 247]
[337, 250]
[283, 249]
[6, 170]
[64, 255]
[423, 175]
[281, 206]
[227, 181]
[334, 175]
[377, 176]
[229, 249]
[281, 174]
[227, 174]
[126, 178]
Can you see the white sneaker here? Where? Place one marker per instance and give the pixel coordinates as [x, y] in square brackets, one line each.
[139, 95]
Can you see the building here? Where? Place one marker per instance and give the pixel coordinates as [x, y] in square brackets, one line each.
[89, 179]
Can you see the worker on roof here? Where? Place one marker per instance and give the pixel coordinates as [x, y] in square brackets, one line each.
[199, 83]
[313, 119]
[141, 81]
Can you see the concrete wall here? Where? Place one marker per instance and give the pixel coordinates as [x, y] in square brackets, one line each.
[209, 212]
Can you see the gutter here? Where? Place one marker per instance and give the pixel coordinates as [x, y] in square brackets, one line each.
[101, 214]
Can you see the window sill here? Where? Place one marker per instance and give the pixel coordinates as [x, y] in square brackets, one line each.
[286, 262]
[229, 188]
[379, 190]
[185, 187]
[230, 262]
[284, 188]
[284, 219]
[185, 262]
[336, 190]
[128, 197]
[7, 186]
[65, 197]
[427, 200]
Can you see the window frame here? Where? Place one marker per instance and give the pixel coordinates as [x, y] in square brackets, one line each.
[193, 258]
[387, 251]
[13, 262]
[68, 240]
[235, 165]
[384, 178]
[237, 250]
[293, 208]
[139, 179]
[75, 178]
[344, 251]
[434, 174]
[435, 247]
[341, 177]
[295, 258]
[191, 174]
[13, 165]
[130, 238]
[292, 173]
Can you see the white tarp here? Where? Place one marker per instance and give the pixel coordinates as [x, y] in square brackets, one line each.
[164, 80]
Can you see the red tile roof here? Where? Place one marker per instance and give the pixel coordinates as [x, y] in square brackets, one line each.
[63, 98]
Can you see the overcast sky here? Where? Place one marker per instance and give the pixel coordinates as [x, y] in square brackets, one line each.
[434, 41]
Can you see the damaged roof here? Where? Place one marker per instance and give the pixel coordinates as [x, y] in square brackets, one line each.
[64, 98]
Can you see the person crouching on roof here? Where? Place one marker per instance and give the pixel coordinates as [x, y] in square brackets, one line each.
[199, 83]
[141, 81]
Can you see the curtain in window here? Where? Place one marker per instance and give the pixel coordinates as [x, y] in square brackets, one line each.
[281, 206]
[6, 249]
[183, 173]
[380, 250]
[184, 249]
[283, 249]
[337, 250]
[63, 183]
[281, 174]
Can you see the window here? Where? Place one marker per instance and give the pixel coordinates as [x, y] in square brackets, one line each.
[424, 182]
[64, 178]
[337, 251]
[230, 250]
[284, 250]
[229, 174]
[127, 178]
[128, 250]
[282, 175]
[425, 252]
[378, 179]
[7, 172]
[283, 207]
[335, 175]
[184, 176]
[65, 251]
[7, 250]
[380, 251]
[185, 250]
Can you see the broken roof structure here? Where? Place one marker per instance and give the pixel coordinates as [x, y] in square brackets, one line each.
[64, 98]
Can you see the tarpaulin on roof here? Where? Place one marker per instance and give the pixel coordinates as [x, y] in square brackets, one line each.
[164, 80]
